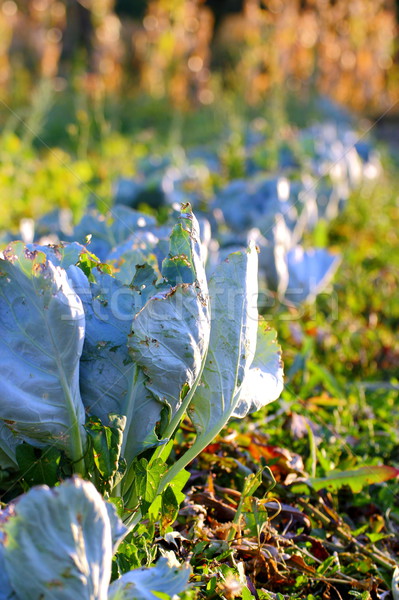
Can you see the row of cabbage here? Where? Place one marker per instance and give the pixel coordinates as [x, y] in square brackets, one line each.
[316, 173]
[317, 170]
[113, 330]
[100, 363]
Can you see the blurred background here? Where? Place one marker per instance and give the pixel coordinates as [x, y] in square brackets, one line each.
[189, 50]
[87, 88]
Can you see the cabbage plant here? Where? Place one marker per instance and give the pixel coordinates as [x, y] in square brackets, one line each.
[57, 544]
[102, 357]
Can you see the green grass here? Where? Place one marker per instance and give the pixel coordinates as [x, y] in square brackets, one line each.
[340, 410]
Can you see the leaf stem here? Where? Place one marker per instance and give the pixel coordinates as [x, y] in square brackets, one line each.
[175, 421]
[201, 441]
[76, 445]
[76, 442]
[129, 406]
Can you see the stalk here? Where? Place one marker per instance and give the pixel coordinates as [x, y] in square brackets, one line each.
[128, 410]
[175, 421]
[129, 405]
[203, 440]
[76, 444]
[379, 557]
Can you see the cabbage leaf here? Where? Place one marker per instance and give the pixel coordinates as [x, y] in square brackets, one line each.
[42, 328]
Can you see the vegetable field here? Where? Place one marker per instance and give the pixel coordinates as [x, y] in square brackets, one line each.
[199, 361]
